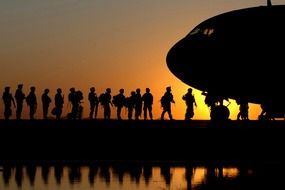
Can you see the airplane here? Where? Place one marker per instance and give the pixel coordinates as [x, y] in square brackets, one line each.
[237, 54]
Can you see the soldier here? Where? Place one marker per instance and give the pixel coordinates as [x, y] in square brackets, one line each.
[119, 102]
[19, 96]
[72, 99]
[8, 100]
[130, 104]
[78, 98]
[190, 101]
[243, 109]
[58, 101]
[166, 101]
[45, 102]
[31, 100]
[105, 100]
[93, 100]
[147, 99]
[138, 104]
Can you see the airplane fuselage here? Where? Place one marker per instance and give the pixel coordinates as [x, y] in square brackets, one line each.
[235, 54]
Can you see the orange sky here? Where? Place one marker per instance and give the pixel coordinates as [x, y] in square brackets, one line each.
[103, 43]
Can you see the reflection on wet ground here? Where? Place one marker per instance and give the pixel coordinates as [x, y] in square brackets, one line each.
[137, 175]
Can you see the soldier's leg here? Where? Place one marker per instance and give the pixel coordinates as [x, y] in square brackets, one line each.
[169, 113]
[150, 112]
[145, 112]
[162, 114]
[92, 107]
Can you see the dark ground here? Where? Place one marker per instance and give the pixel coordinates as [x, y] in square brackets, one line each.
[195, 141]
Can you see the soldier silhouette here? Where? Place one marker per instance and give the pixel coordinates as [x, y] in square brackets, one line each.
[58, 101]
[93, 100]
[166, 101]
[45, 102]
[243, 109]
[119, 102]
[8, 100]
[190, 102]
[147, 99]
[79, 97]
[105, 100]
[31, 100]
[138, 104]
[19, 96]
[130, 104]
[74, 103]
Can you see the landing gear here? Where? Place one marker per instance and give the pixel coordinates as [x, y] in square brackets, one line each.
[219, 113]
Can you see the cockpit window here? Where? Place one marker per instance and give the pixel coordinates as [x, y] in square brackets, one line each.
[206, 31]
[195, 31]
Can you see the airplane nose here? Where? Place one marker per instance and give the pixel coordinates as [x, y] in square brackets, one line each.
[175, 59]
[192, 63]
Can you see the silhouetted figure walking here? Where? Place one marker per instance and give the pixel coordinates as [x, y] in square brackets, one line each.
[31, 100]
[93, 100]
[190, 102]
[267, 112]
[74, 104]
[8, 100]
[147, 99]
[19, 96]
[166, 101]
[130, 104]
[138, 104]
[119, 102]
[105, 100]
[58, 101]
[243, 109]
[79, 97]
[45, 102]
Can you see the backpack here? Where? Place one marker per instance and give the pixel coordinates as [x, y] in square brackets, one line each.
[79, 95]
[115, 100]
[102, 98]
[28, 100]
[163, 100]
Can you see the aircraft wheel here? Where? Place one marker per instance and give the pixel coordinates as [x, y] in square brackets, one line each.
[220, 113]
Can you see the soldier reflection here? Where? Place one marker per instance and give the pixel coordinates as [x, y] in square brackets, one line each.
[92, 174]
[74, 174]
[31, 172]
[135, 172]
[147, 173]
[119, 171]
[58, 173]
[188, 176]
[45, 173]
[165, 173]
[7, 173]
[19, 176]
[105, 173]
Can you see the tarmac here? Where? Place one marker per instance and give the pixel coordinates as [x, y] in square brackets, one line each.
[113, 140]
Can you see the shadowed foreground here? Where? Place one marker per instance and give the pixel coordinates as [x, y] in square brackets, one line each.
[142, 140]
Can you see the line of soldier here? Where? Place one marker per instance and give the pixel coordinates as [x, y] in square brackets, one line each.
[135, 103]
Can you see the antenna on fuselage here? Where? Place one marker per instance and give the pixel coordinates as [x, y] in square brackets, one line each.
[269, 3]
